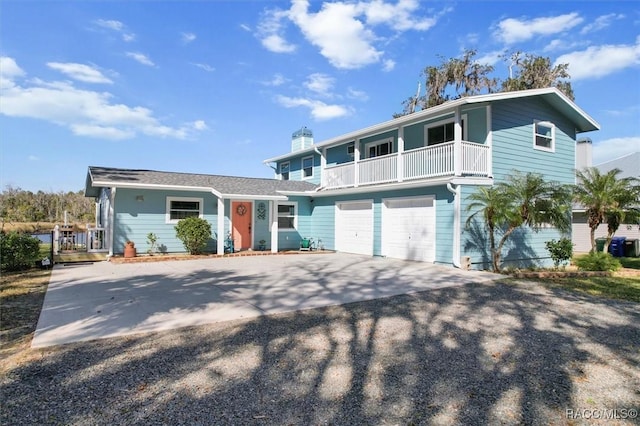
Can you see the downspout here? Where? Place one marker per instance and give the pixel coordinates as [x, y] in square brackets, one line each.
[456, 223]
[320, 187]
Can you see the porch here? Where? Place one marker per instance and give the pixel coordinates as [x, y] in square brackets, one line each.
[446, 159]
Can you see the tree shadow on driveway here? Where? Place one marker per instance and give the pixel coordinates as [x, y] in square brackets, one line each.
[475, 354]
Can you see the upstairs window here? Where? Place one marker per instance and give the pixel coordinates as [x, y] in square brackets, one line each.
[180, 208]
[307, 167]
[443, 131]
[284, 171]
[544, 136]
[287, 216]
[378, 148]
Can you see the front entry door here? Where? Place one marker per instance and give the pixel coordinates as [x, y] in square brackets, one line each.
[241, 224]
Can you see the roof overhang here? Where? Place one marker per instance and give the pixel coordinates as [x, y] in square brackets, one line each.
[395, 186]
[557, 99]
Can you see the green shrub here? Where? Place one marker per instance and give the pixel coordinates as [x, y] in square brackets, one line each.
[18, 251]
[194, 234]
[597, 261]
[560, 251]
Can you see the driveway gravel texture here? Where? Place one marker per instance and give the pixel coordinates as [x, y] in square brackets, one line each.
[479, 354]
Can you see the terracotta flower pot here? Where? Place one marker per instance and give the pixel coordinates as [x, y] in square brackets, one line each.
[130, 249]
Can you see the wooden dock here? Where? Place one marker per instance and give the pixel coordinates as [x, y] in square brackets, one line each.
[77, 257]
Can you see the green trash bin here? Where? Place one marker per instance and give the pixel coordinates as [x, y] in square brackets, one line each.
[600, 244]
[632, 248]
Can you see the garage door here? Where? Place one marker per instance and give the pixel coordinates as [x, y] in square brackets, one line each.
[354, 227]
[409, 229]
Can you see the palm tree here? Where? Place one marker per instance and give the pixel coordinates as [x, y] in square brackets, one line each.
[607, 199]
[523, 200]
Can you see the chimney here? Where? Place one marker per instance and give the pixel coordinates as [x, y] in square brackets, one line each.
[583, 153]
[301, 139]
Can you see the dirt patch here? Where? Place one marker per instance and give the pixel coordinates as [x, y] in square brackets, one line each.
[573, 273]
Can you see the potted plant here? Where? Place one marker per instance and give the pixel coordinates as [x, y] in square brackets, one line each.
[130, 249]
[262, 245]
[152, 240]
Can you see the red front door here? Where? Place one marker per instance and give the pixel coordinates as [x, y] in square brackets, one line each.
[241, 224]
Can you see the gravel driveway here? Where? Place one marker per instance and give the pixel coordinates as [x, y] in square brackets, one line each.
[491, 353]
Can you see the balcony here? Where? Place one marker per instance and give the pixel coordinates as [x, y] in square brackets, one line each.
[429, 162]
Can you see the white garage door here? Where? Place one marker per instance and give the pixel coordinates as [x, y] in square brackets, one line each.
[409, 229]
[354, 227]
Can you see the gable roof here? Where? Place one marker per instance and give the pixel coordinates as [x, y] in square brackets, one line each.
[557, 99]
[221, 186]
[629, 165]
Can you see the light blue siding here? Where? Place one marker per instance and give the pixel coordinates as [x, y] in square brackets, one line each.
[513, 125]
[295, 167]
[290, 240]
[134, 220]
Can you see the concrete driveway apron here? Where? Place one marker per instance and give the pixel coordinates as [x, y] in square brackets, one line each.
[92, 301]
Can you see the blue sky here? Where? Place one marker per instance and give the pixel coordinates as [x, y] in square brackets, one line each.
[218, 86]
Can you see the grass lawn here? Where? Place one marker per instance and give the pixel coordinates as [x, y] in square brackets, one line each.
[624, 287]
[21, 297]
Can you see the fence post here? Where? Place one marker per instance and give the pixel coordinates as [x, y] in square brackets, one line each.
[55, 239]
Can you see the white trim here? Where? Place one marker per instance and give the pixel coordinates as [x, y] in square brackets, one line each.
[111, 217]
[302, 167]
[169, 199]
[295, 216]
[544, 123]
[220, 227]
[273, 208]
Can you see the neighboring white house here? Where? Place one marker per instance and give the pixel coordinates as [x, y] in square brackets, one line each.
[630, 167]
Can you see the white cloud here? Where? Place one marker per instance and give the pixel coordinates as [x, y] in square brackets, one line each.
[84, 112]
[513, 30]
[598, 61]
[245, 27]
[33, 158]
[116, 26]
[399, 16]
[357, 94]
[188, 37]
[491, 58]
[277, 44]
[9, 70]
[344, 31]
[80, 72]
[610, 149]
[277, 80]
[388, 65]
[205, 67]
[141, 58]
[343, 39]
[270, 32]
[319, 110]
[601, 23]
[319, 83]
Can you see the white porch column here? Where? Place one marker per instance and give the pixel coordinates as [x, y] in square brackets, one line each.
[273, 207]
[400, 166]
[457, 144]
[220, 231]
[356, 160]
[323, 166]
[56, 240]
[489, 142]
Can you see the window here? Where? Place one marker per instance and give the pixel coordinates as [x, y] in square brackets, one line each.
[307, 167]
[378, 148]
[287, 216]
[443, 131]
[181, 207]
[544, 134]
[284, 171]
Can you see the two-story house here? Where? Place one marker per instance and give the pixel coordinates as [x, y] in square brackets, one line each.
[396, 189]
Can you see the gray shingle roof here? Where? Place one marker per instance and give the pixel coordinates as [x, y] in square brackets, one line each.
[111, 177]
[628, 164]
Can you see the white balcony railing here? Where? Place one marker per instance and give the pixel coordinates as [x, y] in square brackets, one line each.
[422, 163]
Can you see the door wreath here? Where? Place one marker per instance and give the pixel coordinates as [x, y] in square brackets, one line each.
[241, 210]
